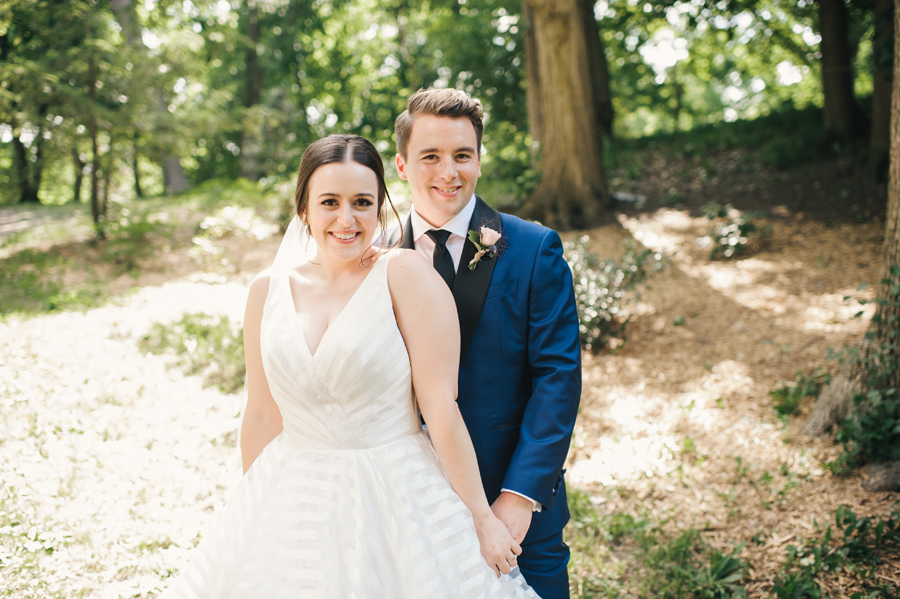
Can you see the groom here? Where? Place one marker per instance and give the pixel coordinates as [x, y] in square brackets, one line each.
[520, 365]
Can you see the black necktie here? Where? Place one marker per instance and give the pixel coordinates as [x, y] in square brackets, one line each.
[443, 262]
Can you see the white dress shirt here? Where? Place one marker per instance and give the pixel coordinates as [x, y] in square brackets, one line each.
[458, 226]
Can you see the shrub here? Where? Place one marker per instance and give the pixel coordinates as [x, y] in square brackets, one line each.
[871, 430]
[204, 344]
[601, 287]
[787, 398]
[733, 233]
[857, 547]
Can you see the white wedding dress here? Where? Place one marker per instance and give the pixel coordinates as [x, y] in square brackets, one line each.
[349, 501]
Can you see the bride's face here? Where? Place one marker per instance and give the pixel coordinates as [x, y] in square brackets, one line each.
[342, 209]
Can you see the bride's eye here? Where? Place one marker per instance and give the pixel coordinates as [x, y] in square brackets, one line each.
[366, 202]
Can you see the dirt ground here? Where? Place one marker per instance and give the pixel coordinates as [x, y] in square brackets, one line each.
[676, 424]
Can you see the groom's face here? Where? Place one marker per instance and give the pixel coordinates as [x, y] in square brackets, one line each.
[442, 166]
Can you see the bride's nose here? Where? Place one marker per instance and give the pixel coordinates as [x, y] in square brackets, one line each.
[345, 215]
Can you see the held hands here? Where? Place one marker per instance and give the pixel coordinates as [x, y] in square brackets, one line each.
[515, 512]
[498, 548]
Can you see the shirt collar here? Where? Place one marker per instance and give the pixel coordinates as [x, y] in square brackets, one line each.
[458, 225]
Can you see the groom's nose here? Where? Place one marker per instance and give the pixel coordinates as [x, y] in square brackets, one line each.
[448, 168]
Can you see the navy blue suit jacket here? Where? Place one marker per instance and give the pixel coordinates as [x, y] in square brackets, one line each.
[520, 366]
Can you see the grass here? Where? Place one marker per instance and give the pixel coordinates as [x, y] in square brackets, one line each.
[202, 344]
[23, 543]
[620, 554]
[615, 555]
[57, 267]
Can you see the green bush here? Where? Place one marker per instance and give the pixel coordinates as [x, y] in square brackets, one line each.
[661, 563]
[787, 398]
[871, 430]
[601, 287]
[204, 344]
[858, 546]
[733, 233]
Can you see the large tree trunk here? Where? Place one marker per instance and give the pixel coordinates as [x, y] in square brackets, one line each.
[251, 144]
[885, 325]
[173, 174]
[535, 122]
[879, 139]
[572, 192]
[602, 95]
[843, 118]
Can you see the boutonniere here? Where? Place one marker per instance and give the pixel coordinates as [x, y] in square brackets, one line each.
[485, 239]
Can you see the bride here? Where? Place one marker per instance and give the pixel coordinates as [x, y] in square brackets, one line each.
[343, 495]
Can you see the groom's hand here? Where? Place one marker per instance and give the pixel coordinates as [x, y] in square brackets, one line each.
[515, 512]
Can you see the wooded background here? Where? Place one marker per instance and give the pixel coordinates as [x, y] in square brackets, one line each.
[135, 98]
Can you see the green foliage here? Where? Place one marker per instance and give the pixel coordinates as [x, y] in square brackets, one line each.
[733, 232]
[855, 545]
[871, 430]
[601, 288]
[787, 398]
[31, 282]
[131, 238]
[24, 541]
[203, 344]
[666, 564]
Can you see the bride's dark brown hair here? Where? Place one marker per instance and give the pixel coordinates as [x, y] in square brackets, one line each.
[342, 148]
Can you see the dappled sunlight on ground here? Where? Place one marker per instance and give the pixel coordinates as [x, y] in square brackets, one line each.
[678, 423]
[119, 460]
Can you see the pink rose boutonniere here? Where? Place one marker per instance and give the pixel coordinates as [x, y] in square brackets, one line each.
[485, 239]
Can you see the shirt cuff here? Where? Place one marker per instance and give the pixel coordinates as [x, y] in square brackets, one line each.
[536, 506]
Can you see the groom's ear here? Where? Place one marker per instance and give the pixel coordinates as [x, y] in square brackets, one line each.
[401, 166]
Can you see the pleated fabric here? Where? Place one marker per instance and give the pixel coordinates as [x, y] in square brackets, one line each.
[349, 501]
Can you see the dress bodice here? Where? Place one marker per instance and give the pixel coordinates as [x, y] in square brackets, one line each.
[355, 392]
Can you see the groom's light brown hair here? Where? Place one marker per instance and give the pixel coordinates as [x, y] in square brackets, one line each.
[451, 103]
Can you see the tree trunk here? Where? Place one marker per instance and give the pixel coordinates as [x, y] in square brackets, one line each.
[124, 11]
[79, 176]
[250, 133]
[135, 154]
[843, 118]
[879, 139]
[600, 78]
[28, 193]
[572, 192]
[888, 313]
[96, 212]
[533, 80]
[883, 331]
[107, 175]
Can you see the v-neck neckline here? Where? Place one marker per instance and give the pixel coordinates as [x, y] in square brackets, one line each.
[313, 353]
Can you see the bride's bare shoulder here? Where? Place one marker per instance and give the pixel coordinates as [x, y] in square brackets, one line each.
[259, 288]
[410, 275]
[405, 263]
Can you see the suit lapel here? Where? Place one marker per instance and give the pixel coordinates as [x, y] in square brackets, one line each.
[471, 286]
[408, 241]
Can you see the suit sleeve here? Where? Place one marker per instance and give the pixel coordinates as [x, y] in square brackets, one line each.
[554, 360]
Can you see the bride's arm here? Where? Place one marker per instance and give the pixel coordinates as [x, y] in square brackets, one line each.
[426, 316]
[262, 418]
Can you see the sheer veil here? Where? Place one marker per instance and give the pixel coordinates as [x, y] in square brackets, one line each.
[296, 247]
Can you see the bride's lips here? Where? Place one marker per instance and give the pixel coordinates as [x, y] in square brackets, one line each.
[344, 237]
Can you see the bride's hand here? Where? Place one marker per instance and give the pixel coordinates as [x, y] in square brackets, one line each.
[498, 548]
